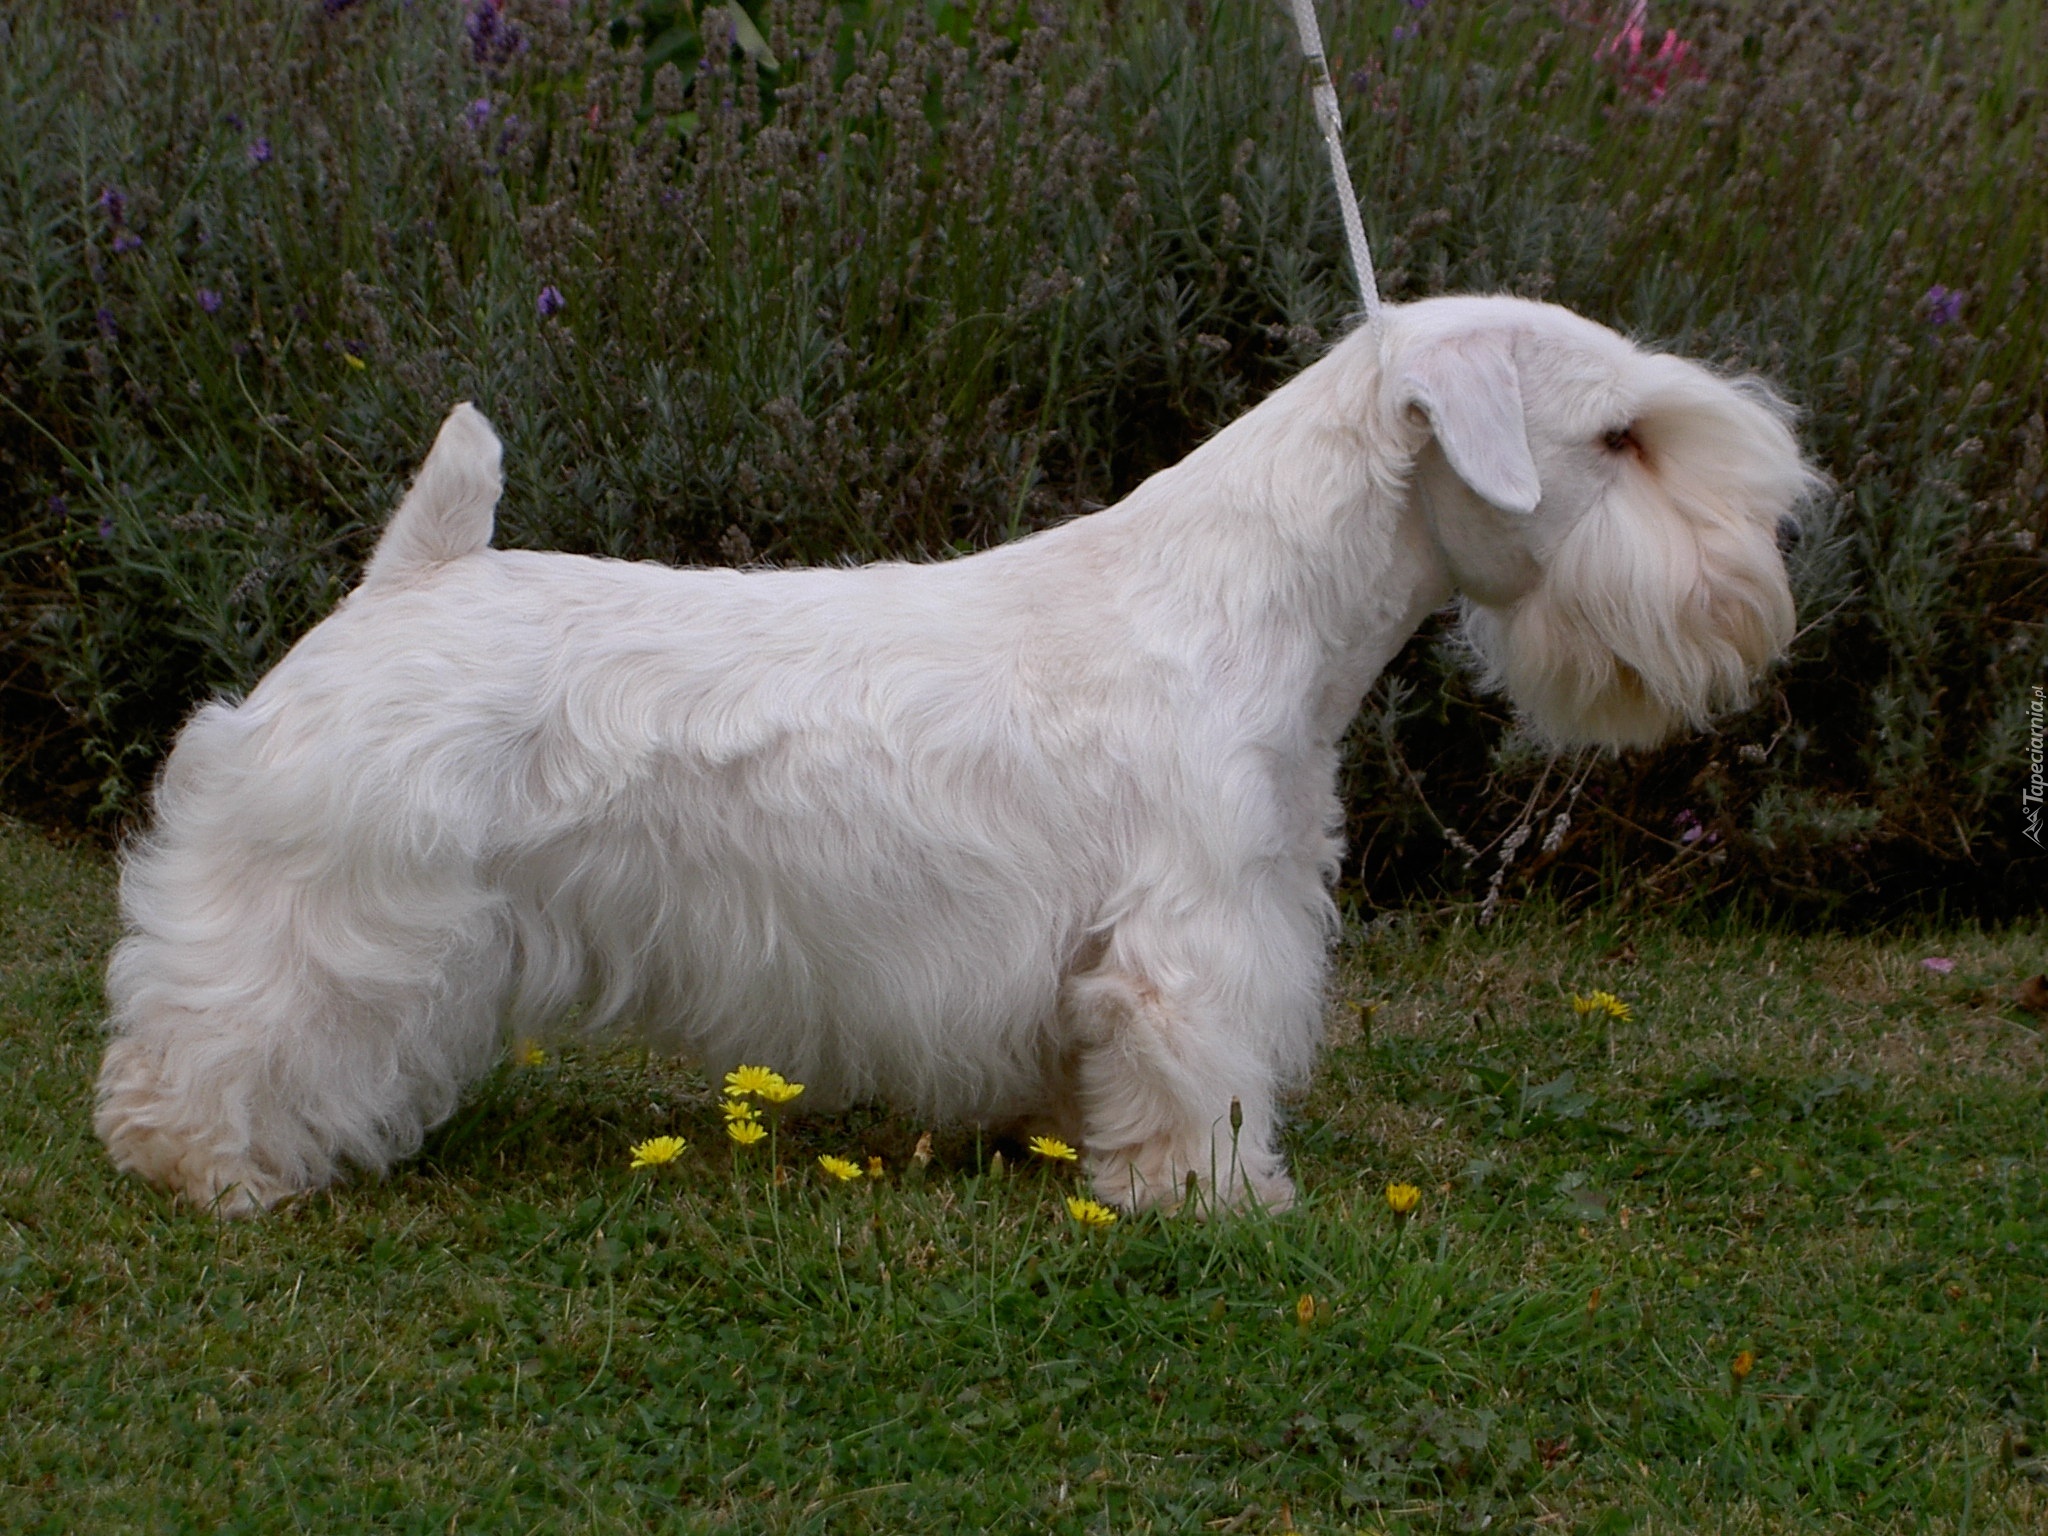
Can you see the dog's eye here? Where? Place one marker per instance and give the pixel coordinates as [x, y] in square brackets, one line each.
[1622, 440]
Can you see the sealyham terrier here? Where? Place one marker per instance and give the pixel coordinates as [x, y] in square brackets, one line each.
[1041, 835]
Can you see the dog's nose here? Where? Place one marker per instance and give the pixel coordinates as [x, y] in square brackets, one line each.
[1789, 534]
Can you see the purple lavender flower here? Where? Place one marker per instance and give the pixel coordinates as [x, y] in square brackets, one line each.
[259, 151]
[1405, 31]
[492, 39]
[336, 7]
[108, 328]
[234, 121]
[1689, 828]
[114, 203]
[59, 507]
[106, 528]
[478, 112]
[208, 300]
[551, 301]
[126, 242]
[1944, 305]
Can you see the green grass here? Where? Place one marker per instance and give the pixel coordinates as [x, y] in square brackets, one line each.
[1811, 1149]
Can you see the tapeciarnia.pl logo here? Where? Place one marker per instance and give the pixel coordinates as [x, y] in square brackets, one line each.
[2031, 796]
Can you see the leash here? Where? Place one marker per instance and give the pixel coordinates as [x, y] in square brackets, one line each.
[1331, 121]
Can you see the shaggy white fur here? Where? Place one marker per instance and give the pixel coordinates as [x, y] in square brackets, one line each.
[1044, 833]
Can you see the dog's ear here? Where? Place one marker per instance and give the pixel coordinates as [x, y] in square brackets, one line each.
[1471, 391]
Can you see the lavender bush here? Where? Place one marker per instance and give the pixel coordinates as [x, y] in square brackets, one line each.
[877, 280]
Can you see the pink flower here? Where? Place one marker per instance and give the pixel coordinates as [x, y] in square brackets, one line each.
[1941, 965]
[1648, 74]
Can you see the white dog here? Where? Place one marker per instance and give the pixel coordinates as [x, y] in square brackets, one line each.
[1040, 834]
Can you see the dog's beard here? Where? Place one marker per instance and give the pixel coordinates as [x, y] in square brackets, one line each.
[1643, 624]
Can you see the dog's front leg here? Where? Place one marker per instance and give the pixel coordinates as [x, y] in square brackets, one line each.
[1168, 1085]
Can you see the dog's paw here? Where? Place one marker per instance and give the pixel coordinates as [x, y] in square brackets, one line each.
[1165, 1177]
[139, 1122]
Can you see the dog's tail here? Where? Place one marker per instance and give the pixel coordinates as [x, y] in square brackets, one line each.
[447, 513]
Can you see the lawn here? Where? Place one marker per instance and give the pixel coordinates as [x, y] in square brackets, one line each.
[1766, 1254]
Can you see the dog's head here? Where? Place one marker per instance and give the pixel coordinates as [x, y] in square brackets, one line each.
[1612, 518]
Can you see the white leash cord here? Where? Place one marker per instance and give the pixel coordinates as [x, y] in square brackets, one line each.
[1331, 121]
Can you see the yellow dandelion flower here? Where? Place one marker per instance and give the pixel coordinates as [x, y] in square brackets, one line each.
[745, 1132]
[1054, 1148]
[661, 1149]
[781, 1091]
[530, 1055]
[737, 1109]
[874, 1167]
[840, 1168]
[1089, 1213]
[740, 1082]
[1742, 1364]
[1403, 1198]
[1601, 1002]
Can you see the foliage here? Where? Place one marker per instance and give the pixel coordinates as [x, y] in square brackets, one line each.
[907, 280]
[1676, 1271]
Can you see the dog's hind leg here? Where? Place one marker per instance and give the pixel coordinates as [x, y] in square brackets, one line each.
[247, 1071]
[272, 1023]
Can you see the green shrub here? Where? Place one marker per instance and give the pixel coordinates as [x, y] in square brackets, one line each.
[945, 274]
